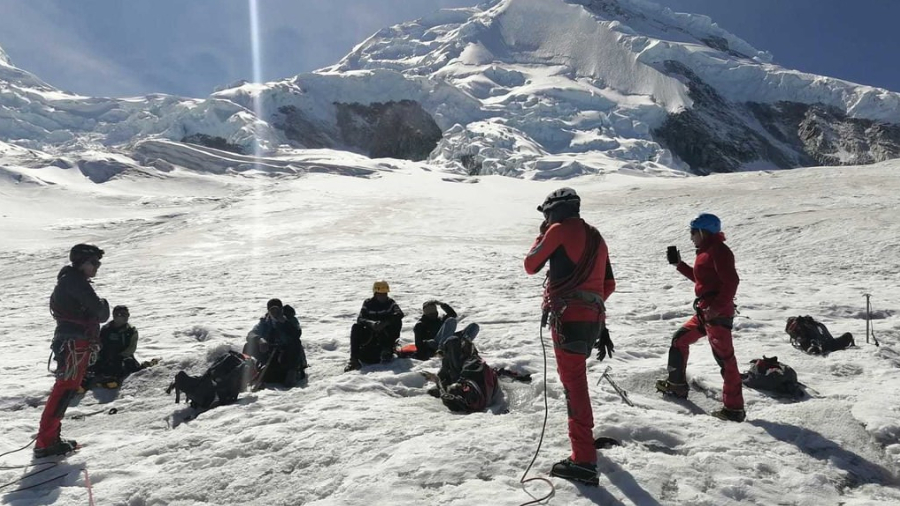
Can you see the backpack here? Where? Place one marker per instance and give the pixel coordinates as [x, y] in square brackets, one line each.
[808, 335]
[225, 379]
[769, 374]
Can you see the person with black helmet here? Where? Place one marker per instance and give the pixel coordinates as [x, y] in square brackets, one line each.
[275, 341]
[78, 312]
[115, 361]
[428, 326]
[374, 336]
[715, 285]
[579, 281]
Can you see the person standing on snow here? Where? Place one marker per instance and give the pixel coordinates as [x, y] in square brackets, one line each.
[78, 312]
[374, 335]
[579, 281]
[715, 284]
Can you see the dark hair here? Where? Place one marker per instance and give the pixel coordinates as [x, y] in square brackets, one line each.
[274, 302]
[120, 310]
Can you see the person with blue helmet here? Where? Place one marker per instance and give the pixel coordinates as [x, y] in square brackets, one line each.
[715, 285]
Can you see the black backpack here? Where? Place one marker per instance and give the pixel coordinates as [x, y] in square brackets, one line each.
[808, 335]
[225, 379]
[769, 374]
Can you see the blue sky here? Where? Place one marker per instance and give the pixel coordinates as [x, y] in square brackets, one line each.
[123, 48]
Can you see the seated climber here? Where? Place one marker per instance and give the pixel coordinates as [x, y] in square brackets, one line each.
[428, 327]
[115, 360]
[275, 344]
[374, 336]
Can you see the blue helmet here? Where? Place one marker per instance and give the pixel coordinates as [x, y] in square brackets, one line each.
[708, 222]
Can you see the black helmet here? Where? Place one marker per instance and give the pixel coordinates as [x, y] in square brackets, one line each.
[560, 196]
[81, 253]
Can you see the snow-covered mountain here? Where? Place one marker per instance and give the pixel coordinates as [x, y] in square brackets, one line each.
[531, 88]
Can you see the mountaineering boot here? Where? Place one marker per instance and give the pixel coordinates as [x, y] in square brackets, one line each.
[61, 447]
[581, 472]
[730, 415]
[679, 390]
[387, 356]
[353, 365]
[290, 378]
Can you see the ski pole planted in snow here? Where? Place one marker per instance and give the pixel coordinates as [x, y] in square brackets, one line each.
[869, 327]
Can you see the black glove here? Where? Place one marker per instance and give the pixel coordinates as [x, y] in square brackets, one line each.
[604, 345]
[672, 255]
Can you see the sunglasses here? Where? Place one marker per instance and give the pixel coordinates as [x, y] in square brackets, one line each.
[121, 315]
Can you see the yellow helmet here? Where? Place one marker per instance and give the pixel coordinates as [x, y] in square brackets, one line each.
[381, 287]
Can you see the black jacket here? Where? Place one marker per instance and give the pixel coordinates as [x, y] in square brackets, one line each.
[375, 311]
[75, 306]
[427, 327]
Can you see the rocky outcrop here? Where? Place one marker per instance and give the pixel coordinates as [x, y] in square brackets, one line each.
[718, 136]
[827, 135]
[393, 129]
[400, 129]
[212, 141]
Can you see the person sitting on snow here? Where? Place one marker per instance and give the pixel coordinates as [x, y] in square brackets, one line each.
[275, 344]
[428, 327]
[115, 361]
[465, 382]
[374, 336]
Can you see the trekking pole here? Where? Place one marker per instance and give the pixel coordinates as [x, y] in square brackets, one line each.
[257, 382]
[868, 315]
[622, 393]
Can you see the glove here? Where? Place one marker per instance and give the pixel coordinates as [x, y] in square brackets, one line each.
[544, 226]
[604, 345]
[673, 255]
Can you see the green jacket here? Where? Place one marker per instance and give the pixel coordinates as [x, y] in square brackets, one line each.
[120, 341]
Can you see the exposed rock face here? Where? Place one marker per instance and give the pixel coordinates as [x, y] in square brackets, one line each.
[718, 136]
[215, 142]
[392, 129]
[827, 136]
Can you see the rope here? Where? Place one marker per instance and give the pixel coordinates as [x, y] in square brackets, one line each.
[592, 241]
[87, 483]
[20, 449]
[523, 481]
[50, 465]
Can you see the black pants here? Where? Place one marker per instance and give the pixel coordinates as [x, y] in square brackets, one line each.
[840, 343]
[117, 368]
[367, 346]
[287, 357]
[578, 337]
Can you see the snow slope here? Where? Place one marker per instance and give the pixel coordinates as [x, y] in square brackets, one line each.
[196, 255]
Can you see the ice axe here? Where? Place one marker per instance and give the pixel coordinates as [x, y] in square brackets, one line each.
[622, 393]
